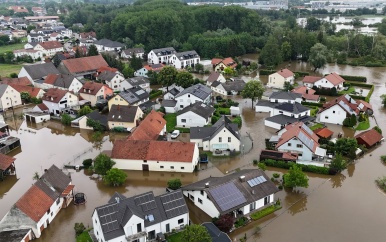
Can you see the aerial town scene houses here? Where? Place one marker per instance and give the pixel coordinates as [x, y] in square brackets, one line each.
[113, 132]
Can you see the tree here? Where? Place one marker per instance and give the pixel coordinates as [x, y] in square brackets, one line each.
[174, 184]
[225, 222]
[77, 53]
[318, 56]
[271, 54]
[9, 57]
[229, 71]
[135, 62]
[350, 121]
[295, 177]
[195, 233]
[36, 176]
[115, 177]
[184, 79]
[103, 163]
[346, 146]
[128, 71]
[79, 228]
[338, 163]
[356, 22]
[288, 86]
[25, 96]
[254, 90]
[13, 75]
[313, 24]
[379, 130]
[56, 60]
[95, 124]
[167, 76]
[66, 119]
[84, 110]
[286, 50]
[92, 50]
[199, 67]
[383, 97]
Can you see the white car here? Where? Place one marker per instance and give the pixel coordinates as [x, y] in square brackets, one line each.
[175, 134]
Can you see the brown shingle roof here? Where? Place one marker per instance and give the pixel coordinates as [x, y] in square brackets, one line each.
[51, 45]
[54, 95]
[285, 73]
[33, 91]
[19, 81]
[311, 79]
[34, 203]
[85, 64]
[150, 127]
[43, 107]
[91, 88]
[5, 161]
[370, 137]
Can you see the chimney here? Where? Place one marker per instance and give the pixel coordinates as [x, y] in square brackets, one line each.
[207, 185]
[253, 191]
[242, 178]
[117, 199]
[45, 170]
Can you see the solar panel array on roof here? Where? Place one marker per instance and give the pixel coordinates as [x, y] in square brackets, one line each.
[146, 202]
[308, 130]
[307, 141]
[108, 218]
[139, 92]
[129, 97]
[256, 181]
[174, 204]
[227, 196]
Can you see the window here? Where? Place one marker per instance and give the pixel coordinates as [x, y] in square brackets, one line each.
[180, 221]
[191, 197]
[280, 111]
[182, 168]
[139, 227]
[200, 201]
[252, 206]
[181, 106]
[202, 193]
[326, 117]
[219, 139]
[49, 210]
[52, 213]
[299, 146]
[161, 167]
[57, 201]
[289, 144]
[167, 228]
[183, 120]
[333, 111]
[267, 200]
[145, 161]
[229, 139]
[96, 221]
[188, 95]
[172, 167]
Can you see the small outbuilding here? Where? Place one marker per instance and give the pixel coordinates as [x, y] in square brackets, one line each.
[324, 133]
[369, 138]
[37, 117]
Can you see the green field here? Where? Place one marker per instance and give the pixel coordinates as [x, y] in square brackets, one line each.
[12, 47]
[7, 69]
[177, 237]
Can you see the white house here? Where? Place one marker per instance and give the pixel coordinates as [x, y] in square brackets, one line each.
[160, 56]
[145, 70]
[238, 193]
[9, 97]
[330, 81]
[36, 38]
[184, 59]
[309, 81]
[172, 92]
[221, 136]
[108, 45]
[196, 93]
[228, 88]
[195, 115]
[169, 105]
[139, 81]
[37, 71]
[285, 97]
[112, 79]
[277, 79]
[34, 54]
[49, 48]
[57, 100]
[128, 53]
[215, 76]
[146, 217]
[61, 81]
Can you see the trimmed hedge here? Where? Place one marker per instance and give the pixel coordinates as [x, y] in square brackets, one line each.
[312, 104]
[266, 72]
[305, 168]
[360, 84]
[354, 78]
[155, 94]
[301, 73]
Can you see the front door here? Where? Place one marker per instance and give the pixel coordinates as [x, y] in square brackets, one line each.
[145, 167]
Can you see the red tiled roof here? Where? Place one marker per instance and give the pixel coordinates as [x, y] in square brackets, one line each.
[323, 132]
[67, 190]
[366, 105]
[19, 81]
[34, 203]
[303, 90]
[370, 137]
[150, 67]
[107, 68]
[229, 62]
[43, 107]
[150, 127]
[93, 87]
[334, 78]
[336, 101]
[84, 64]
[5, 161]
[311, 79]
[293, 130]
[85, 35]
[285, 73]
[216, 61]
[51, 78]
[54, 95]
[51, 45]
[153, 150]
[311, 97]
[33, 91]
[19, 9]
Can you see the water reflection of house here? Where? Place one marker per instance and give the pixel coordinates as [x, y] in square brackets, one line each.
[7, 142]
[59, 128]
[7, 166]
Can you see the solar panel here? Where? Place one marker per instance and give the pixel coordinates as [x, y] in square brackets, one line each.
[139, 92]
[308, 130]
[174, 204]
[227, 196]
[256, 181]
[108, 218]
[306, 141]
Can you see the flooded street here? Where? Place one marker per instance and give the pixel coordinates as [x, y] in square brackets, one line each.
[345, 207]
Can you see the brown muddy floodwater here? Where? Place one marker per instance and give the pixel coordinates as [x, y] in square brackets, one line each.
[346, 207]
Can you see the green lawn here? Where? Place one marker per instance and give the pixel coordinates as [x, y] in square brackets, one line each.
[12, 47]
[316, 126]
[7, 69]
[177, 237]
[363, 125]
[84, 237]
[350, 90]
[314, 111]
[171, 121]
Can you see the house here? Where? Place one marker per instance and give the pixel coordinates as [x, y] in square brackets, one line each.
[19, 33]
[111, 79]
[196, 93]
[323, 133]
[61, 81]
[9, 97]
[172, 92]
[185, 59]
[238, 193]
[94, 91]
[285, 97]
[153, 127]
[38, 207]
[7, 164]
[18, 9]
[34, 92]
[160, 56]
[332, 80]
[215, 233]
[133, 96]
[81, 122]
[58, 101]
[308, 95]
[56, 37]
[124, 117]
[49, 48]
[17, 235]
[298, 138]
[309, 81]
[128, 53]
[22, 81]
[169, 105]
[278, 155]
[108, 45]
[139, 81]
[369, 138]
[86, 35]
[220, 64]
[85, 66]
[37, 71]
[140, 218]
[215, 76]
[277, 79]
[30, 45]
[228, 88]
[36, 117]
[145, 70]
[197, 114]
[223, 135]
[34, 54]
[40, 108]
[338, 109]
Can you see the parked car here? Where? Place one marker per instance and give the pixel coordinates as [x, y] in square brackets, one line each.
[175, 134]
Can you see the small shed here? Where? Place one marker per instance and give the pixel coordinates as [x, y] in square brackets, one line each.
[324, 133]
[37, 117]
[7, 166]
[369, 138]
[235, 111]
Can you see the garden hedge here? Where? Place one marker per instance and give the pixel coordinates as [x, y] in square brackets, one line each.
[354, 78]
[266, 72]
[305, 168]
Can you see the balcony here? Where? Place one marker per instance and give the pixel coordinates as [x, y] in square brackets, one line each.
[136, 236]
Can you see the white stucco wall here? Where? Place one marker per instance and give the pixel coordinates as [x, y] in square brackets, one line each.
[275, 80]
[187, 99]
[191, 120]
[272, 124]
[289, 114]
[224, 134]
[207, 205]
[303, 152]
[333, 115]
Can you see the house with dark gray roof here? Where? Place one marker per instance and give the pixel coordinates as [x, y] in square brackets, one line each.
[159, 56]
[112, 79]
[37, 71]
[196, 93]
[221, 136]
[285, 97]
[172, 93]
[197, 114]
[215, 76]
[144, 217]
[126, 117]
[128, 53]
[228, 88]
[128, 97]
[138, 81]
[81, 122]
[182, 60]
[238, 193]
[108, 45]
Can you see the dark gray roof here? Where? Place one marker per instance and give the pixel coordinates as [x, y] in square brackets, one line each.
[237, 86]
[164, 51]
[285, 95]
[132, 51]
[250, 194]
[119, 113]
[109, 43]
[174, 91]
[266, 103]
[3, 87]
[114, 216]
[215, 83]
[206, 133]
[294, 108]
[216, 234]
[35, 35]
[13, 235]
[213, 76]
[64, 80]
[186, 55]
[197, 90]
[56, 178]
[198, 108]
[168, 103]
[134, 95]
[284, 120]
[39, 71]
[33, 43]
[95, 115]
[139, 80]
[46, 187]
[147, 105]
[106, 75]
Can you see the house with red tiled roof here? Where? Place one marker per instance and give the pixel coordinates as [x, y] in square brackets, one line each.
[309, 81]
[220, 64]
[338, 109]
[151, 67]
[369, 138]
[324, 133]
[308, 95]
[7, 165]
[49, 48]
[330, 81]
[18, 9]
[33, 91]
[94, 91]
[58, 101]
[151, 128]
[277, 79]
[9, 97]
[22, 81]
[82, 67]
[40, 204]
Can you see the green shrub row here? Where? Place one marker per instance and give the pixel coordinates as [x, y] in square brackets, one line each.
[266, 72]
[370, 93]
[264, 212]
[155, 94]
[301, 73]
[360, 84]
[312, 104]
[305, 168]
[354, 78]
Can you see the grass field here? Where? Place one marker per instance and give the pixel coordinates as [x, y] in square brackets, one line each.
[84, 237]
[6, 48]
[177, 237]
[363, 125]
[7, 69]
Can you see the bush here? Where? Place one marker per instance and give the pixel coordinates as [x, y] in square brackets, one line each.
[266, 72]
[155, 94]
[383, 158]
[241, 222]
[87, 163]
[79, 228]
[301, 74]
[262, 166]
[381, 182]
[237, 120]
[354, 78]
[225, 222]
[312, 104]
[287, 165]
[174, 184]
[280, 187]
[379, 130]
[264, 212]
[214, 119]
[66, 119]
[276, 175]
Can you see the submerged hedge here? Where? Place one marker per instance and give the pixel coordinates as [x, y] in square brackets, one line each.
[287, 165]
